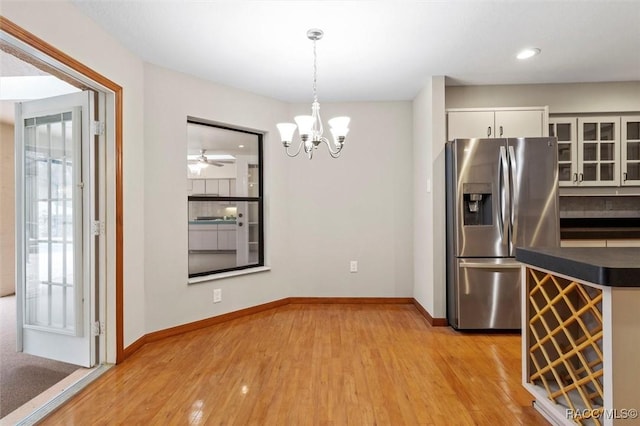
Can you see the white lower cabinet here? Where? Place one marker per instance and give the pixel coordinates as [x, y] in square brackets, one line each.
[600, 243]
[227, 237]
[203, 237]
[623, 243]
[583, 243]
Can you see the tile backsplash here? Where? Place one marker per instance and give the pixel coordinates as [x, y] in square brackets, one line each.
[602, 207]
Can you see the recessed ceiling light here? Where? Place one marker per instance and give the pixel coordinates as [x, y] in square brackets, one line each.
[528, 53]
[240, 146]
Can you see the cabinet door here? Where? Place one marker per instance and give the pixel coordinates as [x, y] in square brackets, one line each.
[211, 187]
[598, 151]
[623, 243]
[223, 187]
[564, 130]
[210, 238]
[226, 237]
[583, 243]
[198, 187]
[470, 124]
[232, 187]
[203, 239]
[630, 147]
[519, 124]
[195, 240]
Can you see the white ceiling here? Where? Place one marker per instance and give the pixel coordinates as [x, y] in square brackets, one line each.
[378, 50]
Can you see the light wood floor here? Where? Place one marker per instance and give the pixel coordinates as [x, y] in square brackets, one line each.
[314, 365]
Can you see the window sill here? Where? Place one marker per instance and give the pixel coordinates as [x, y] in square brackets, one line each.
[214, 277]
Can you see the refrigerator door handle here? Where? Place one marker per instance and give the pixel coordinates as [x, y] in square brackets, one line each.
[492, 265]
[513, 224]
[503, 181]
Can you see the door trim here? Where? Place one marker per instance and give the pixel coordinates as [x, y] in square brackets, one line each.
[42, 46]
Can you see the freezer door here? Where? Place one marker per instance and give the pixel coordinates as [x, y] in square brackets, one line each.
[533, 167]
[481, 194]
[488, 294]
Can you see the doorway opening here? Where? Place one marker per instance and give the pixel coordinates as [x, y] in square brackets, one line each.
[104, 297]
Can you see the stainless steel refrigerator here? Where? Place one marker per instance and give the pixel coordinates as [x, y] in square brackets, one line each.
[501, 194]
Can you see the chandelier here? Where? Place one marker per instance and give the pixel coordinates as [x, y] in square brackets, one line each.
[310, 126]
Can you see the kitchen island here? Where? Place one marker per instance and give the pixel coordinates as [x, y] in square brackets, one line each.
[581, 333]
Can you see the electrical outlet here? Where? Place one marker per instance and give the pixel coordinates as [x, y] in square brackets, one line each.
[353, 266]
[217, 295]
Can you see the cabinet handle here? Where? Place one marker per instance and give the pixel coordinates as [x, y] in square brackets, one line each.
[488, 131]
[575, 177]
[501, 132]
[580, 177]
[624, 177]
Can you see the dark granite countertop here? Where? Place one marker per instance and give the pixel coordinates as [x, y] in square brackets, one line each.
[613, 266]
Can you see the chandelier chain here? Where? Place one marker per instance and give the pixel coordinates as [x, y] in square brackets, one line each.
[315, 73]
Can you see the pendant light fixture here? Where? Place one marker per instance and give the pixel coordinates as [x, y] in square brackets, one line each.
[310, 126]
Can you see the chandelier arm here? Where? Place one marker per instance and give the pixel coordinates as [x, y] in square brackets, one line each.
[334, 153]
[297, 151]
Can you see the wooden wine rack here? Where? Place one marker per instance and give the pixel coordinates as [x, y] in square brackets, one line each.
[565, 334]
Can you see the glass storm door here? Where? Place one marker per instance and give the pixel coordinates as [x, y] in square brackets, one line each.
[54, 290]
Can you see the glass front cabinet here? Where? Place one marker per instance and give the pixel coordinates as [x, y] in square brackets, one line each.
[597, 151]
[564, 129]
[630, 151]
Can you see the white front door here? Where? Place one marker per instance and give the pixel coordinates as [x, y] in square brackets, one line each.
[54, 243]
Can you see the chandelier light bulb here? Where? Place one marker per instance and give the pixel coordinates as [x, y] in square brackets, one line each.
[305, 124]
[286, 131]
[340, 124]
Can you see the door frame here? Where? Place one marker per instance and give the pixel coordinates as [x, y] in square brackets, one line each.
[54, 60]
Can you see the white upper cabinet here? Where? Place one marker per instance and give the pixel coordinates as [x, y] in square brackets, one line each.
[211, 187]
[520, 123]
[597, 151]
[497, 122]
[564, 130]
[197, 187]
[470, 124]
[630, 150]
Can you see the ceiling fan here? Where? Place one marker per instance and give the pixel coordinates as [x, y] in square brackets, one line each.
[203, 160]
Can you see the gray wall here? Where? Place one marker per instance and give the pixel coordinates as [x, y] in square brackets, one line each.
[429, 136]
[320, 214]
[561, 98]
